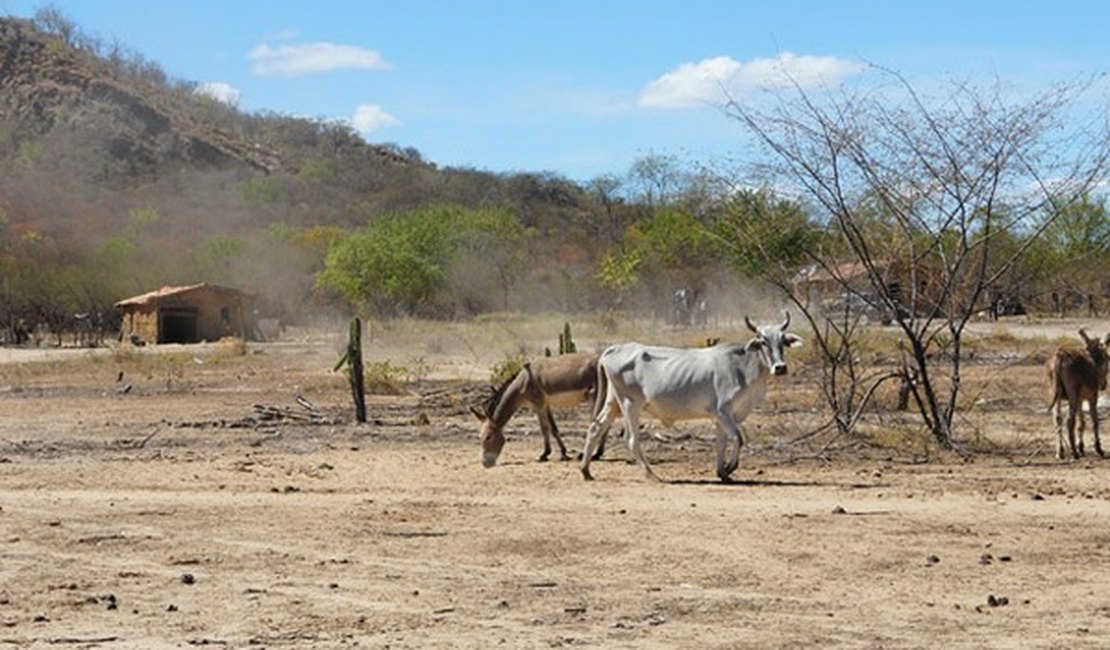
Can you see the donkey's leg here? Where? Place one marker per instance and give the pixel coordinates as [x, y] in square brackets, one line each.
[544, 416]
[1081, 428]
[549, 429]
[1059, 420]
[1094, 426]
[1073, 407]
[558, 438]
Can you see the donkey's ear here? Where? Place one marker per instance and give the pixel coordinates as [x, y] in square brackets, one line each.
[792, 340]
[478, 414]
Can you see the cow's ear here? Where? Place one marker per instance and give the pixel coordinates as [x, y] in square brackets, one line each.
[754, 344]
[792, 340]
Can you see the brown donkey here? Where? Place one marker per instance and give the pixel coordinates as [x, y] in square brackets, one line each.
[543, 383]
[1077, 375]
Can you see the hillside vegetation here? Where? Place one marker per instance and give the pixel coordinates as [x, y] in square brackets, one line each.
[115, 179]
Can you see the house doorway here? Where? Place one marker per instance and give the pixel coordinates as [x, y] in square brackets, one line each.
[178, 325]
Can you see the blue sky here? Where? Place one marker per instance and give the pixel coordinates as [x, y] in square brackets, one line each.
[574, 87]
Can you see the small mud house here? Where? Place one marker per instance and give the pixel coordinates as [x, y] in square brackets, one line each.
[849, 285]
[189, 314]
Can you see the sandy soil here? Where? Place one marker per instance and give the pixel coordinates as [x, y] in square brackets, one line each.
[173, 514]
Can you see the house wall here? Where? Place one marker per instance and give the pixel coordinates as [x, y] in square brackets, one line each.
[221, 314]
[141, 322]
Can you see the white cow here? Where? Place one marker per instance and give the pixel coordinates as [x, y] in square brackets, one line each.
[722, 383]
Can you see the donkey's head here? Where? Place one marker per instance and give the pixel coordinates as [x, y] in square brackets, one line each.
[1097, 350]
[771, 342]
[491, 433]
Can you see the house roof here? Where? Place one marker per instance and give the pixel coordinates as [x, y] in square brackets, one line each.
[842, 272]
[158, 295]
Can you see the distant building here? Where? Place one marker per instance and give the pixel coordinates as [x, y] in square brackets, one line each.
[849, 285]
[190, 314]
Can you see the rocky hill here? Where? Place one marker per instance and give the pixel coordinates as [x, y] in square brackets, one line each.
[45, 85]
[48, 85]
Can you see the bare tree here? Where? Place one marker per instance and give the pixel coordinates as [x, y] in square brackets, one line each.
[775, 239]
[659, 178]
[604, 189]
[919, 192]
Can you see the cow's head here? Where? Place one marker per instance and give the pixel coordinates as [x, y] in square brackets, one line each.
[771, 342]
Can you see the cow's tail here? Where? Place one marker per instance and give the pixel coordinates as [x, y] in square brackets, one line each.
[601, 393]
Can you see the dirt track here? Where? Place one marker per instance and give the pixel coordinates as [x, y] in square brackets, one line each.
[164, 517]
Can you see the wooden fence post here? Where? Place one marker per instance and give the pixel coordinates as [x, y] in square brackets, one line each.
[353, 358]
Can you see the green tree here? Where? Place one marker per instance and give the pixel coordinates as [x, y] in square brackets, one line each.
[219, 257]
[670, 246]
[498, 239]
[401, 263]
[1080, 243]
[765, 234]
[262, 188]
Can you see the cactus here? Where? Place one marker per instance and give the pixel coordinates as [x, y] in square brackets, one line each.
[566, 342]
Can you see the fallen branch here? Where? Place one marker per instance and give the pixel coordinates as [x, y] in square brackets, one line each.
[142, 443]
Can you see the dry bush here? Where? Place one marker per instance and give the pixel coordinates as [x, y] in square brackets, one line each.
[506, 368]
[228, 348]
[384, 378]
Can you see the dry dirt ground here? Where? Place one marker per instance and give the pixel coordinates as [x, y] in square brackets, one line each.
[162, 509]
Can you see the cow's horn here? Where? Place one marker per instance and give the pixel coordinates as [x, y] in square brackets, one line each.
[1083, 334]
[748, 322]
[785, 323]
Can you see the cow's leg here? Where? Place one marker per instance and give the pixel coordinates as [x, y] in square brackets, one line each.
[601, 446]
[721, 443]
[727, 427]
[603, 440]
[632, 429]
[595, 435]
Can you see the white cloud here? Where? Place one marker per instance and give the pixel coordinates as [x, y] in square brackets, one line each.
[371, 117]
[712, 81]
[219, 91]
[307, 58]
